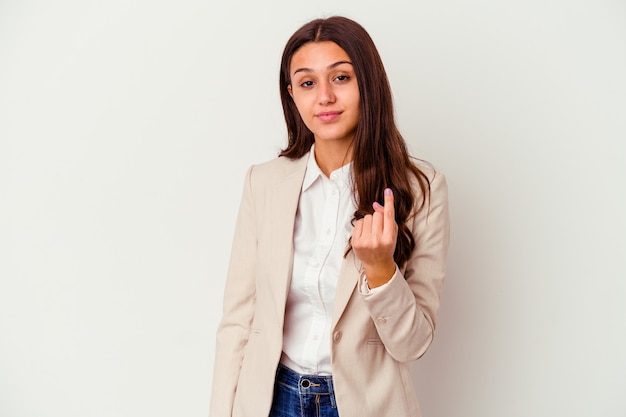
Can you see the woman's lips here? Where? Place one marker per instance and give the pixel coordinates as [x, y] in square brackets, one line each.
[328, 116]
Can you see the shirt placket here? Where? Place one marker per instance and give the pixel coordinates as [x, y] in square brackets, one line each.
[316, 285]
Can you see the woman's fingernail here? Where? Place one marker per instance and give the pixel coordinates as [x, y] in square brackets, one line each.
[387, 191]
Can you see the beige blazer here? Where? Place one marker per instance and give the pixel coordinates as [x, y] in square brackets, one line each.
[373, 337]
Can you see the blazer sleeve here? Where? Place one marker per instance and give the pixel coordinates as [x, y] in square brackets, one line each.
[238, 307]
[404, 311]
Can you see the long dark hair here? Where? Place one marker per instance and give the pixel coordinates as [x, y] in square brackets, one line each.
[380, 156]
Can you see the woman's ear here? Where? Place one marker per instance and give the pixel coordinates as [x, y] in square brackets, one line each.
[289, 90]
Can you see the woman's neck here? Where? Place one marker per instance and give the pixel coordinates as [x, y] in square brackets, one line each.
[331, 156]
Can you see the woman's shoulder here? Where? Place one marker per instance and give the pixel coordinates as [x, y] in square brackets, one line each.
[277, 169]
[279, 163]
[435, 178]
[428, 169]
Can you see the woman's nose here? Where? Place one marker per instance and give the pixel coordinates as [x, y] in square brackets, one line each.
[325, 92]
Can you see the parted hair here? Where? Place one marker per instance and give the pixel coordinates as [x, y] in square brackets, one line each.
[380, 155]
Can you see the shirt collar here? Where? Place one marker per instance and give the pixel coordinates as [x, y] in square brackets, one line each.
[313, 172]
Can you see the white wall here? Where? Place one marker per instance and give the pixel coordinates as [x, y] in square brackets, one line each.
[125, 131]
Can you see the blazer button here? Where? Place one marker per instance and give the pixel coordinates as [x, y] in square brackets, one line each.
[337, 337]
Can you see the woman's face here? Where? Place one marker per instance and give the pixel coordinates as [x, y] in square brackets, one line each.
[325, 91]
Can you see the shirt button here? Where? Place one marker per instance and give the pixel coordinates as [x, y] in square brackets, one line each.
[382, 320]
[337, 337]
[328, 232]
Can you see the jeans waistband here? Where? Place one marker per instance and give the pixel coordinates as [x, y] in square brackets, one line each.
[304, 384]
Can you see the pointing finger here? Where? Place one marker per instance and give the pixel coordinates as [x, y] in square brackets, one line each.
[390, 228]
[390, 212]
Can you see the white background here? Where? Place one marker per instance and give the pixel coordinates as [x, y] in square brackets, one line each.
[126, 127]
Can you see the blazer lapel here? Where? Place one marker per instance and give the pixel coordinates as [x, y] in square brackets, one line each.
[284, 199]
[346, 285]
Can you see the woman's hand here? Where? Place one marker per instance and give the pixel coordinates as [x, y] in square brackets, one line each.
[374, 242]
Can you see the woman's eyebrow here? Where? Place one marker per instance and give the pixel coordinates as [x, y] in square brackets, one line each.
[331, 66]
[336, 64]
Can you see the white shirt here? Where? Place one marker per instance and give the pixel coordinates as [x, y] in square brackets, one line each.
[321, 233]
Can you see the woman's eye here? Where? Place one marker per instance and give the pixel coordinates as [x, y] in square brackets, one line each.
[306, 84]
[342, 78]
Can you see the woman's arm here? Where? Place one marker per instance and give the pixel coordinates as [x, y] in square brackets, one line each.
[404, 308]
[238, 307]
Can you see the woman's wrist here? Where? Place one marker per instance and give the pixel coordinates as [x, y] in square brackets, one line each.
[379, 273]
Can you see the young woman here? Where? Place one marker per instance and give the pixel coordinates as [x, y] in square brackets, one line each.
[339, 251]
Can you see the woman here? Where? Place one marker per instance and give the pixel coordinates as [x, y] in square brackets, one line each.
[339, 251]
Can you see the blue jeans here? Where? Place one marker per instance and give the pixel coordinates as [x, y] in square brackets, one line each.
[298, 395]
